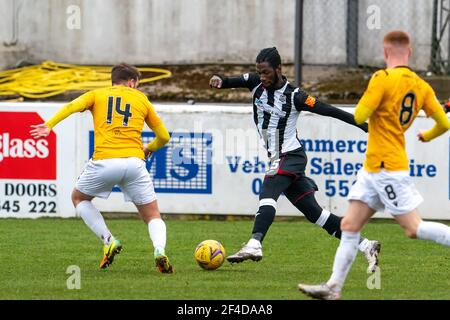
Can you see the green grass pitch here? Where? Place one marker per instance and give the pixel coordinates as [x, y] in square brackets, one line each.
[35, 254]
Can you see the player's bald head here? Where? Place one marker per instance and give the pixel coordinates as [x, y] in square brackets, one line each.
[397, 42]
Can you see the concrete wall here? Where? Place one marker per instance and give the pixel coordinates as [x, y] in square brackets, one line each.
[157, 31]
[413, 16]
[9, 54]
[324, 31]
[204, 31]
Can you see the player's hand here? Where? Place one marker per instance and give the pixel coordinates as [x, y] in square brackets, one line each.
[147, 153]
[364, 127]
[215, 82]
[447, 106]
[421, 137]
[40, 131]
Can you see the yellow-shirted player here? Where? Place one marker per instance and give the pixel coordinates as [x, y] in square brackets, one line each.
[397, 95]
[391, 102]
[119, 113]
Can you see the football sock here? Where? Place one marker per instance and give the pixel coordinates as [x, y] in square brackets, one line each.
[94, 220]
[325, 219]
[310, 208]
[330, 222]
[345, 255]
[314, 213]
[332, 225]
[437, 232]
[157, 232]
[264, 218]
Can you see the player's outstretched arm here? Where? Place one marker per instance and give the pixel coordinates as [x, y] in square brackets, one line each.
[161, 139]
[441, 126]
[362, 113]
[334, 112]
[248, 80]
[78, 105]
[305, 102]
[155, 123]
[371, 98]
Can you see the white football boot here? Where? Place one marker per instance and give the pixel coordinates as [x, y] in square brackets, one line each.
[371, 254]
[246, 253]
[321, 291]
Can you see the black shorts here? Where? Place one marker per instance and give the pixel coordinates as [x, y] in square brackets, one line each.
[292, 164]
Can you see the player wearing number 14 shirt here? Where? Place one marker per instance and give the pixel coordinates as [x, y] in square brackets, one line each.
[276, 107]
[119, 113]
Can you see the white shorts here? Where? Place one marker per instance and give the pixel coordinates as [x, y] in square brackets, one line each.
[390, 190]
[130, 174]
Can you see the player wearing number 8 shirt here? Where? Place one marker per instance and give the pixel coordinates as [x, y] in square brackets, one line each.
[276, 107]
[391, 102]
[119, 113]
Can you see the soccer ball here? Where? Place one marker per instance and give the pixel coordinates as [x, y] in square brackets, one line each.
[209, 254]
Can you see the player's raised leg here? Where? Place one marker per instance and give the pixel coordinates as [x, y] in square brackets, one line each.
[401, 199]
[94, 220]
[272, 187]
[157, 230]
[302, 195]
[358, 213]
[416, 228]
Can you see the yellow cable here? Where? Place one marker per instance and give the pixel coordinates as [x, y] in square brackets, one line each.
[49, 79]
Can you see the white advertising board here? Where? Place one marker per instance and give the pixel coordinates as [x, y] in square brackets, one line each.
[36, 176]
[214, 163]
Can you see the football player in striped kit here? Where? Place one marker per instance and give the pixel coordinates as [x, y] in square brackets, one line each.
[276, 107]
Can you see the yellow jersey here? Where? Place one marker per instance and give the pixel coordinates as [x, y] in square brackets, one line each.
[119, 113]
[394, 97]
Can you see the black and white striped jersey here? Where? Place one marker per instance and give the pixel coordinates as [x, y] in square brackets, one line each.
[275, 112]
[275, 117]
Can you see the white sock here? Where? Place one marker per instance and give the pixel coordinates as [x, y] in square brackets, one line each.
[254, 243]
[437, 232]
[362, 246]
[324, 215]
[157, 232]
[94, 220]
[345, 255]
